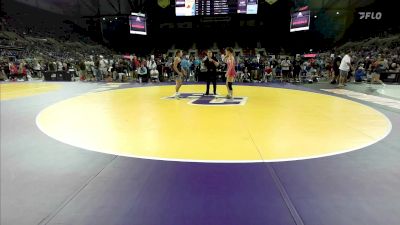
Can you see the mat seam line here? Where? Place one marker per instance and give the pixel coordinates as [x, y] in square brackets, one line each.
[53, 214]
[289, 204]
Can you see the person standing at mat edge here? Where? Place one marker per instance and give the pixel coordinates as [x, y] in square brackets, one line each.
[345, 67]
[230, 72]
[179, 73]
[211, 63]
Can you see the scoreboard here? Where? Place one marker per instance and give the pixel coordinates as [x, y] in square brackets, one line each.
[215, 7]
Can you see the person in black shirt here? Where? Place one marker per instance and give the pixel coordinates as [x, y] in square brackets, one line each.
[336, 71]
[297, 68]
[211, 63]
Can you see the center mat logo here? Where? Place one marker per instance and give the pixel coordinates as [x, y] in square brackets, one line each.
[210, 100]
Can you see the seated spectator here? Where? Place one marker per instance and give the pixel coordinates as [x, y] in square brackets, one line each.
[109, 77]
[142, 73]
[394, 67]
[246, 75]
[313, 71]
[360, 73]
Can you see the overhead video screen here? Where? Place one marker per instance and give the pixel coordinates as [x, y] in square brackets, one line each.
[300, 21]
[137, 23]
[215, 7]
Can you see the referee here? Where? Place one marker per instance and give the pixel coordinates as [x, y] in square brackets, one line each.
[211, 63]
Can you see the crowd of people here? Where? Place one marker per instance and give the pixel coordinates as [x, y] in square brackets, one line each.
[23, 57]
[257, 68]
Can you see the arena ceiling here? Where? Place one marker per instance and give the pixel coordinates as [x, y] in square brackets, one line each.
[84, 7]
[113, 7]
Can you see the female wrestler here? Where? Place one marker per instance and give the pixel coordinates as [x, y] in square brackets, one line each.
[179, 73]
[230, 72]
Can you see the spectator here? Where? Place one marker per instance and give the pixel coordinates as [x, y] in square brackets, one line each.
[378, 67]
[267, 74]
[142, 73]
[197, 65]
[37, 69]
[335, 67]
[285, 69]
[103, 66]
[246, 75]
[153, 69]
[135, 66]
[297, 68]
[278, 70]
[13, 71]
[82, 70]
[345, 66]
[96, 69]
[89, 69]
[360, 73]
[185, 64]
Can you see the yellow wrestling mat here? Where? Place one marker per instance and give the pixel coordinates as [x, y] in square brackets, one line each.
[271, 124]
[19, 90]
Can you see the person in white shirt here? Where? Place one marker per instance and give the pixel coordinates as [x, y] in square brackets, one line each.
[153, 69]
[37, 69]
[344, 68]
[59, 66]
[285, 68]
[89, 68]
[103, 66]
